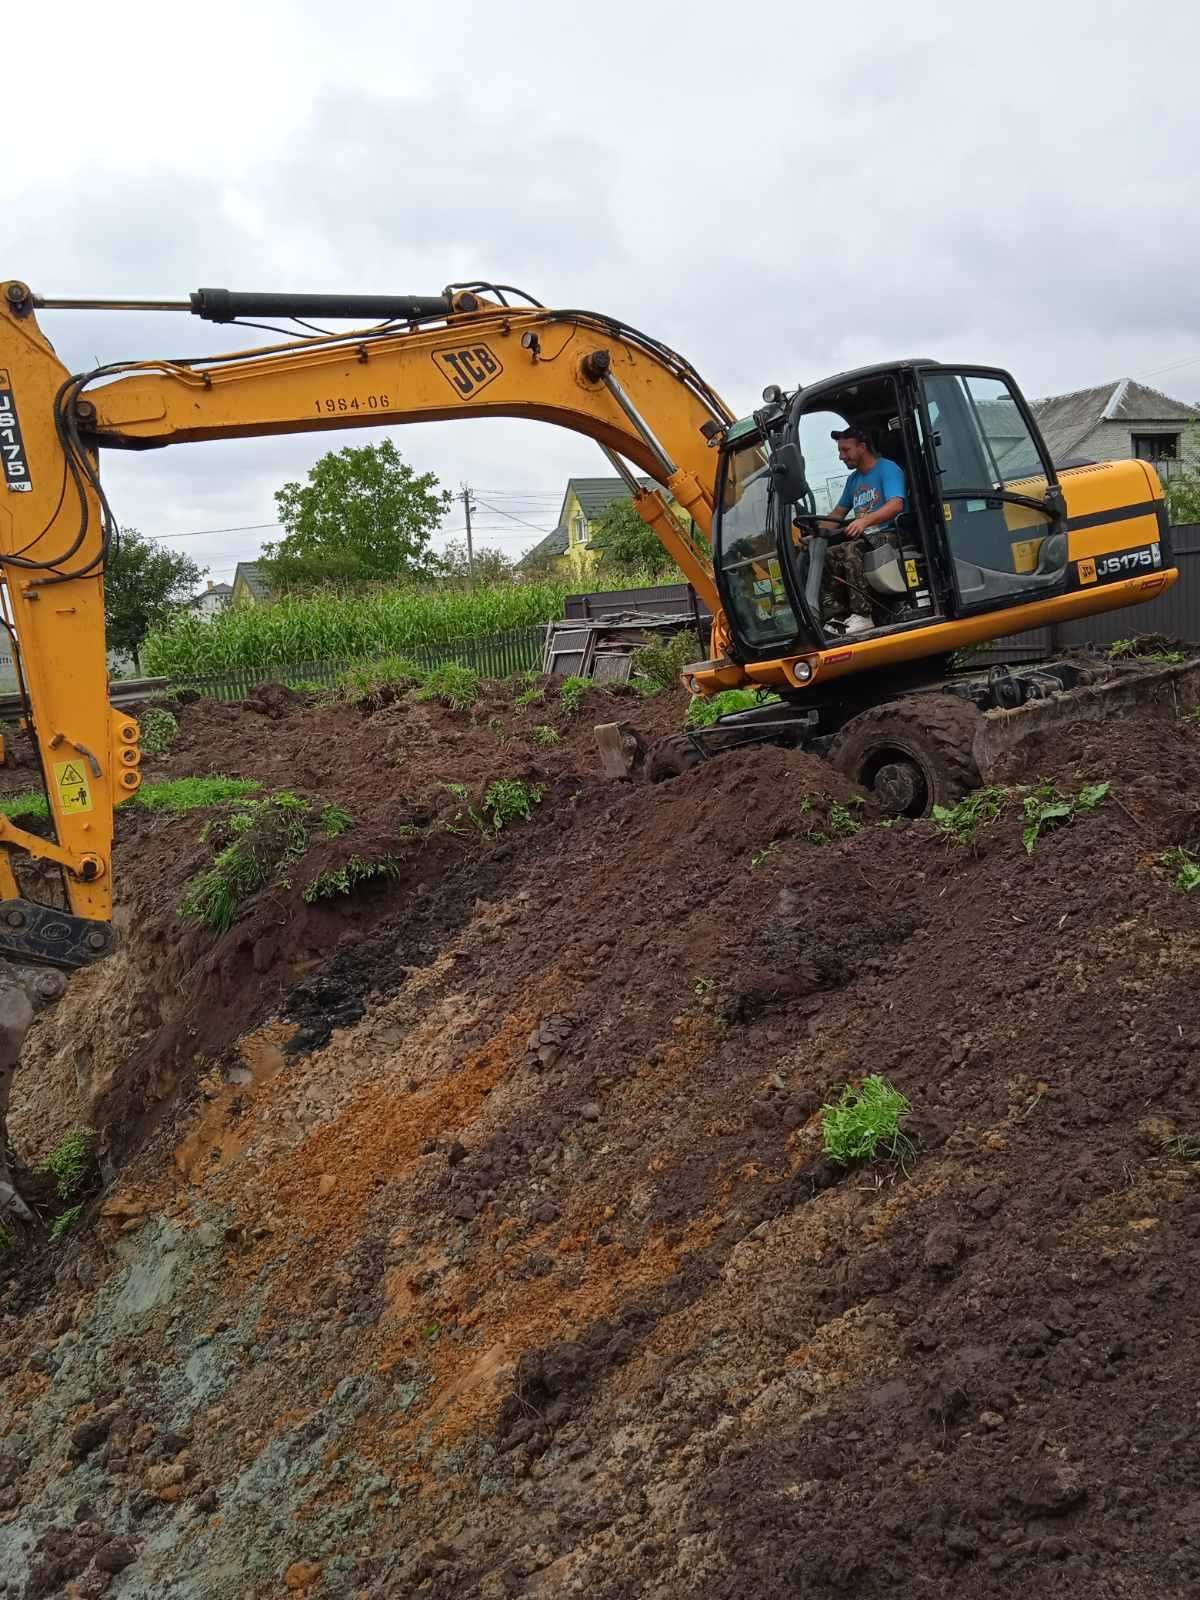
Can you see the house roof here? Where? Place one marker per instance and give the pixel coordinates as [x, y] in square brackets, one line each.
[594, 495]
[217, 589]
[1067, 419]
[251, 575]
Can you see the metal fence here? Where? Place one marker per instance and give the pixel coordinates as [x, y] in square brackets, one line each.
[1176, 614]
[495, 655]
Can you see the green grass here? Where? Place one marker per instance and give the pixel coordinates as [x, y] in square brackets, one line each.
[960, 823]
[347, 878]
[1182, 1146]
[70, 1162]
[65, 1221]
[546, 736]
[759, 858]
[1184, 865]
[392, 672]
[172, 794]
[702, 713]
[159, 730]
[451, 685]
[1047, 807]
[863, 1124]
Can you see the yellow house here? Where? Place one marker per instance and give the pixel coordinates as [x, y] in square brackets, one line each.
[249, 585]
[585, 500]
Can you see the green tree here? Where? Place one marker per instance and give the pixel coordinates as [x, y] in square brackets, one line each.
[1183, 488]
[143, 585]
[626, 543]
[491, 565]
[363, 514]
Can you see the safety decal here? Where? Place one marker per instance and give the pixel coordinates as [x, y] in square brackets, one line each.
[467, 368]
[910, 573]
[73, 791]
[12, 446]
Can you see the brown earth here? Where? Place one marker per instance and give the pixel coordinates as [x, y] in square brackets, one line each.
[533, 1279]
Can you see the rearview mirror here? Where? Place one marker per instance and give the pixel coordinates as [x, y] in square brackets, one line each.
[787, 472]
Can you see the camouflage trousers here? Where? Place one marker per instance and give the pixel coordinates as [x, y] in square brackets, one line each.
[844, 584]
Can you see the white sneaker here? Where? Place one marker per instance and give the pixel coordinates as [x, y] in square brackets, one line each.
[857, 624]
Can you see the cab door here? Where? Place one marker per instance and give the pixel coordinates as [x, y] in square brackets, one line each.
[1003, 518]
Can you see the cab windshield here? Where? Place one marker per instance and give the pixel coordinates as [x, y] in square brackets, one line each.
[748, 554]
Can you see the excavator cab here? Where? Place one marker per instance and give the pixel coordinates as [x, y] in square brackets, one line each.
[983, 524]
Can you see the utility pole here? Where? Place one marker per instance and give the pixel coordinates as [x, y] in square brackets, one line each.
[465, 497]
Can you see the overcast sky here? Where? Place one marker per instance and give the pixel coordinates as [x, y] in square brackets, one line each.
[779, 191]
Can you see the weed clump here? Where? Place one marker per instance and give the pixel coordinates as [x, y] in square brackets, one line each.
[960, 823]
[159, 729]
[65, 1221]
[257, 846]
[70, 1163]
[572, 692]
[346, 878]
[1047, 807]
[1184, 866]
[841, 823]
[546, 736]
[452, 685]
[702, 713]
[863, 1124]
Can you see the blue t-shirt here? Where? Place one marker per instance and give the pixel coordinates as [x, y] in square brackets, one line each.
[866, 491]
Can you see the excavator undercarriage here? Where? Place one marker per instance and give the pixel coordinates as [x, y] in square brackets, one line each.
[929, 746]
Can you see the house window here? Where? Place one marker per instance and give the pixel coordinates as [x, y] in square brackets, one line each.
[580, 529]
[1156, 446]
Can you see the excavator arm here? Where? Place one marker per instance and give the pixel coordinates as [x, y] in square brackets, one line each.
[460, 354]
[454, 355]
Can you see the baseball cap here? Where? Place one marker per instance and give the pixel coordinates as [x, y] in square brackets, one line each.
[852, 432]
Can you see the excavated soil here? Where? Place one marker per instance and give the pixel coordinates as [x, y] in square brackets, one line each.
[473, 1237]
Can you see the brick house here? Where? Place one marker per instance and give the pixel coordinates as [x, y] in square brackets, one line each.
[1116, 421]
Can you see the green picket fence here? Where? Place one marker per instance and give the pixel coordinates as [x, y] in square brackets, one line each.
[494, 655]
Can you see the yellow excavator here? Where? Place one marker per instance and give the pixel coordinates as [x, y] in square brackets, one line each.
[991, 540]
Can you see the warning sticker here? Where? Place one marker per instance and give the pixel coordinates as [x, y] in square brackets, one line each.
[910, 572]
[73, 791]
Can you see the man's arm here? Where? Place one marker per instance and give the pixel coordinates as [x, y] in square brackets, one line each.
[875, 519]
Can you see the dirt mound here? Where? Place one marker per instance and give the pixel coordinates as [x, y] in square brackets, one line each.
[530, 1278]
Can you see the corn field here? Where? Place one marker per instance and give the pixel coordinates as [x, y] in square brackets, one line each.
[327, 626]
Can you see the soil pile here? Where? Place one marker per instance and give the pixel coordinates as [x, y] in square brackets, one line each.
[533, 1278]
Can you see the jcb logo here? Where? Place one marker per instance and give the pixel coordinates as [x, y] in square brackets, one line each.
[467, 368]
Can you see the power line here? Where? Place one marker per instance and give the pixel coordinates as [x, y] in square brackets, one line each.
[511, 518]
[205, 533]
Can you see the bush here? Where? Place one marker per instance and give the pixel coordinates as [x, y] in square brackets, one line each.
[662, 662]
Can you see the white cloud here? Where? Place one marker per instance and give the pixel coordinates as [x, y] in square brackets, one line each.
[779, 192]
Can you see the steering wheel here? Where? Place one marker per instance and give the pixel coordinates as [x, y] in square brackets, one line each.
[810, 522]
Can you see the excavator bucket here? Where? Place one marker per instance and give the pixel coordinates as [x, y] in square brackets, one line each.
[622, 749]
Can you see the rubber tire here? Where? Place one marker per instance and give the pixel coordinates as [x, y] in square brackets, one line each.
[935, 731]
[671, 758]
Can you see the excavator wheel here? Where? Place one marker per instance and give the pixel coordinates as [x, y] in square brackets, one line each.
[914, 754]
[671, 757]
